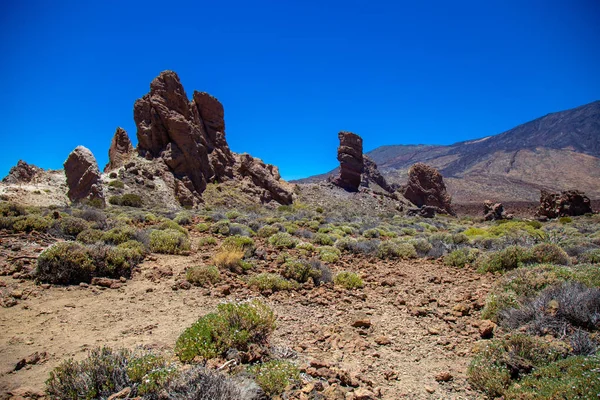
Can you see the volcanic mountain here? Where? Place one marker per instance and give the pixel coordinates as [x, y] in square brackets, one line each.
[559, 151]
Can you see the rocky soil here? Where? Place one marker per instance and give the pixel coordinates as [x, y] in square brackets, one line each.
[407, 334]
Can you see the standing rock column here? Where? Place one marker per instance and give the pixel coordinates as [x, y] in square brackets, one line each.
[120, 150]
[350, 156]
[83, 176]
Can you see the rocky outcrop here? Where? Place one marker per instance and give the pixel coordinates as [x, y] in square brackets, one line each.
[350, 156]
[426, 187]
[356, 169]
[83, 176]
[567, 203]
[21, 173]
[265, 176]
[372, 175]
[189, 137]
[494, 211]
[120, 150]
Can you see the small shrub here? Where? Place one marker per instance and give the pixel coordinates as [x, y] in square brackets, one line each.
[220, 227]
[168, 242]
[303, 270]
[32, 222]
[128, 200]
[504, 260]
[329, 254]
[308, 247]
[90, 236]
[207, 241]
[267, 231]
[372, 233]
[65, 262]
[549, 253]
[199, 383]
[242, 243]
[591, 257]
[270, 282]
[323, 239]
[392, 249]
[120, 234]
[183, 218]
[8, 209]
[233, 326]
[422, 246]
[202, 227]
[348, 280]
[170, 224]
[283, 240]
[70, 226]
[229, 258]
[203, 275]
[116, 184]
[461, 257]
[565, 220]
[275, 375]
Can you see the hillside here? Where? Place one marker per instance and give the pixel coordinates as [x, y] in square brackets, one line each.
[557, 152]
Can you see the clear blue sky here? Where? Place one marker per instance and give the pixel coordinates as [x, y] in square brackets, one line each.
[291, 74]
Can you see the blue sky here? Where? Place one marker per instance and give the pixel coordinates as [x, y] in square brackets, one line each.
[291, 74]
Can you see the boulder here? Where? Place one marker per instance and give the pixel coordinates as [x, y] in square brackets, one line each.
[83, 176]
[494, 211]
[265, 176]
[371, 175]
[566, 203]
[350, 156]
[120, 150]
[426, 187]
[21, 173]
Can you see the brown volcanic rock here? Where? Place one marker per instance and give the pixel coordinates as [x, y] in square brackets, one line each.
[426, 187]
[21, 173]
[120, 150]
[83, 176]
[567, 203]
[350, 156]
[494, 211]
[265, 176]
[189, 137]
[372, 174]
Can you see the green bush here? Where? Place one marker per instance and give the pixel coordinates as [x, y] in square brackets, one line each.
[32, 222]
[591, 256]
[323, 239]
[203, 275]
[348, 280]
[170, 224]
[233, 326]
[116, 184]
[549, 253]
[105, 372]
[283, 240]
[207, 241]
[504, 260]
[392, 249]
[565, 220]
[220, 227]
[306, 246]
[303, 270]
[90, 236]
[183, 218]
[129, 200]
[270, 282]
[503, 361]
[168, 242]
[65, 262]
[422, 246]
[371, 233]
[267, 231]
[275, 375]
[571, 378]
[329, 254]
[71, 226]
[202, 227]
[8, 209]
[120, 234]
[242, 243]
[460, 257]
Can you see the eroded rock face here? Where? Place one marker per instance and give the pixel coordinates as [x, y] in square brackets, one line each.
[120, 150]
[426, 187]
[567, 203]
[83, 176]
[350, 156]
[21, 173]
[372, 175]
[494, 211]
[189, 137]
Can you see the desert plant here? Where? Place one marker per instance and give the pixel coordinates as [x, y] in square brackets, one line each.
[348, 280]
[168, 242]
[243, 243]
[549, 253]
[116, 184]
[229, 258]
[199, 383]
[275, 375]
[504, 260]
[266, 281]
[70, 226]
[203, 275]
[329, 254]
[31, 222]
[460, 257]
[233, 326]
[65, 262]
[267, 231]
[393, 249]
[9, 209]
[119, 234]
[283, 240]
[323, 239]
[90, 236]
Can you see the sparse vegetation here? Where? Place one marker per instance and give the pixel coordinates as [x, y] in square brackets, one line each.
[275, 375]
[203, 275]
[168, 241]
[348, 280]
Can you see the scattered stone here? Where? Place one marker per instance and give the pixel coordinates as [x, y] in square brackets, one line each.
[123, 394]
[383, 340]
[31, 359]
[494, 211]
[362, 323]
[429, 389]
[21, 173]
[444, 377]
[27, 393]
[363, 394]
[106, 282]
[486, 329]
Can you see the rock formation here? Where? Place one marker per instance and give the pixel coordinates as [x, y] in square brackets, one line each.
[356, 169]
[21, 173]
[426, 187]
[120, 150]
[350, 156]
[567, 203]
[494, 211]
[83, 176]
[189, 137]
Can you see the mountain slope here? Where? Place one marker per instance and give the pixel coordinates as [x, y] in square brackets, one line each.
[557, 152]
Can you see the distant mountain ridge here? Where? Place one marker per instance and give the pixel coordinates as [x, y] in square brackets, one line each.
[558, 151]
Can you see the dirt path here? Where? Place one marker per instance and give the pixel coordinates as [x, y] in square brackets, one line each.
[419, 318]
